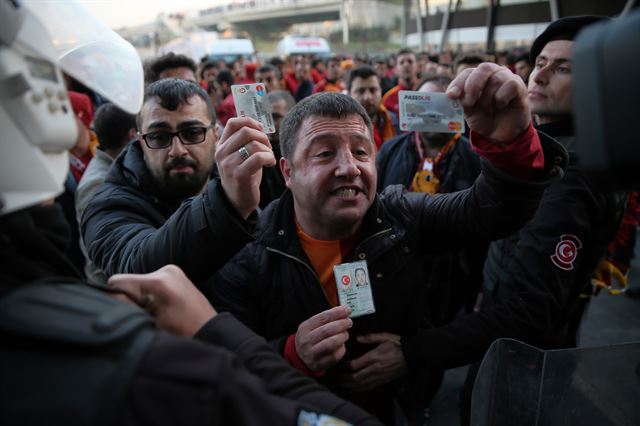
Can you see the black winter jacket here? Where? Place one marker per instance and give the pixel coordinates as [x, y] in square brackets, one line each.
[271, 285]
[533, 277]
[127, 229]
[456, 276]
[228, 376]
[398, 161]
[73, 355]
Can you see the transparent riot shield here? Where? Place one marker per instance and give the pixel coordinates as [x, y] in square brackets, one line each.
[91, 52]
[518, 384]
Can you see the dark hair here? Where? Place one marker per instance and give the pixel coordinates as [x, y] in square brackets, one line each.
[207, 65]
[381, 60]
[405, 51]
[363, 71]
[166, 62]
[325, 104]
[360, 269]
[276, 61]
[269, 68]
[112, 126]
[468, 58]
[441, 80]
[522, 57]
[225, 76]
[284, 95]
[173, 92]
[362, 57]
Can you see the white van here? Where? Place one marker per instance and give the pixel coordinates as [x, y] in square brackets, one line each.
[298, 45]
[194, 46]
[228, 49]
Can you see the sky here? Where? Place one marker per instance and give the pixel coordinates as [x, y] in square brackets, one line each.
[121, 13]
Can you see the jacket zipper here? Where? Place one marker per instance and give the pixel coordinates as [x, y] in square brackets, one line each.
[273, 250]
[307, 266]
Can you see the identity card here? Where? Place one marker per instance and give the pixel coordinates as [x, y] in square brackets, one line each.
[430, 112]
[251, 101]
[354, 287]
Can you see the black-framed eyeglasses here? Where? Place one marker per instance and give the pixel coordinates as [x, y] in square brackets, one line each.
[161, 139]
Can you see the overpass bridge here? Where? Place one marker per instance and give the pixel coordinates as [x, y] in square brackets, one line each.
[268, 18]
[264, 15]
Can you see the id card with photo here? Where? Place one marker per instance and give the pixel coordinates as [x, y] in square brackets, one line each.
[354, 287]
[251, 101]
[430, 112]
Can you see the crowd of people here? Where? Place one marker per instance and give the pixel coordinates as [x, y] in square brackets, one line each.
[188, 210]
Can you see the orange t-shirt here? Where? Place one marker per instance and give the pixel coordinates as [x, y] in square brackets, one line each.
[324, 255]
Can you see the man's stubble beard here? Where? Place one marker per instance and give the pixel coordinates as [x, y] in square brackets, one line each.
[181, 186]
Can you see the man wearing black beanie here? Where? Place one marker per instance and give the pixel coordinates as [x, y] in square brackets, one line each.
[537, 281]
[550, 81]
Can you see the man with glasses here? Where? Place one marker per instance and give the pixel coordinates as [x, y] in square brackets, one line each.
[164, 201]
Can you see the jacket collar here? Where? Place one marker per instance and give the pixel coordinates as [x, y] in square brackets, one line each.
[278, 229]
[563, 132]
[130, 169]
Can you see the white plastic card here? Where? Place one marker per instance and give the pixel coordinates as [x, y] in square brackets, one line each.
[251, 101]
[430, 112]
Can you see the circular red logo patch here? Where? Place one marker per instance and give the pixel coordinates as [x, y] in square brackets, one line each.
[566, 252]
[346, 280]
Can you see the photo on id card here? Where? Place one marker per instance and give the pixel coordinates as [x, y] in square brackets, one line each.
[354, 288]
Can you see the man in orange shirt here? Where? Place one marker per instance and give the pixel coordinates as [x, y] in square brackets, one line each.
[282, 285]
[407, 72]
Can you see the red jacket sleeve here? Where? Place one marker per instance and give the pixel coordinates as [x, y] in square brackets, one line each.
[521, 158]
[291, 355]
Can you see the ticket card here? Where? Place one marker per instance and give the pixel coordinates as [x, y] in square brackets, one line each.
[251, 101]
[354, 288]
[430, 112]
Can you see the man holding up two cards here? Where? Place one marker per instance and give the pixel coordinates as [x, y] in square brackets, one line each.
[283, 285]
[163, 203]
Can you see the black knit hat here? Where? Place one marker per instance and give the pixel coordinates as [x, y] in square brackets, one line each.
[562, 29]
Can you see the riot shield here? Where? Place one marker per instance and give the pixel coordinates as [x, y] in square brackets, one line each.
[518, 384]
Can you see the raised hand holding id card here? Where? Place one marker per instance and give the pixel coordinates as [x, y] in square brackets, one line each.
[430, 112]
[251, 101]
[354, 288]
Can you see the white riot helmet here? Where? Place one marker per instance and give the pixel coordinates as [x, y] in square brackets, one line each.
[38, 40]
